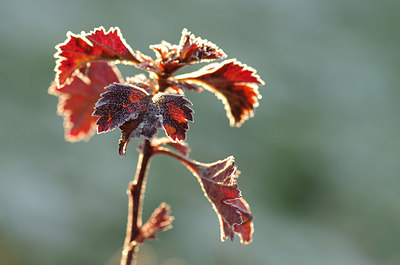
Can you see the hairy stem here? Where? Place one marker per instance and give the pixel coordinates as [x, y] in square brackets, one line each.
[136, 193]
[185, 160]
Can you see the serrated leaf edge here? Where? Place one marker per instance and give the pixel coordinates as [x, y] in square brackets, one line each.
[190, 78]
[83, 35]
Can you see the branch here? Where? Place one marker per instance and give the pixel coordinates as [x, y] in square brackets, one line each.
[135, 192]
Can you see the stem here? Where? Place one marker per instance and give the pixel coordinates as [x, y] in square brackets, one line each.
[136, 193]
[166, 151]
[189, 163]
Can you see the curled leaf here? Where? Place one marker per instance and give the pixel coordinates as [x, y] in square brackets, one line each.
[78, 98]
[165, 51]
[192, 49]
[171, 57]
[234, 83]
[246, 229]
[167, 58]
[147, 124]
[160, 220]
[218, 181]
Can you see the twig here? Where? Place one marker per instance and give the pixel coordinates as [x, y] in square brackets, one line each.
[135, 192]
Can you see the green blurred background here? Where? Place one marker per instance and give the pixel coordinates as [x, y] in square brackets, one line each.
[319, 161]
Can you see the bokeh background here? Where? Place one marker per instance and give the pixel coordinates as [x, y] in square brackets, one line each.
[319, 161]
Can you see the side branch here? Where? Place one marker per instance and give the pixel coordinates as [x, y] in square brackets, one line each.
[135, 192]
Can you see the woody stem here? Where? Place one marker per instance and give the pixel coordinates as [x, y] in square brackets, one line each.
[136, 193]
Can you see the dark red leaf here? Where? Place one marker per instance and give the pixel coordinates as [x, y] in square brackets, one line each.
[192, 49]
[137, 113]
[78, 50]
[218, 181]
[167, 58]
[160, 220]
[120, 104]
[77, 99]
[126, 129]
[234, 83]
[146, 124]
[171, 57]
[175, 114]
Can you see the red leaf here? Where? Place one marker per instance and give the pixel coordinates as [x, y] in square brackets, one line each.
[192, 49]
[167, 58]
[246, 229]
[80, 49]
[165, 51]
[218, 181]
[139, 113]
[175, 114]
[189, 50]
[77, 99]
[120, 104]
[160, 220]
[234, 83]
